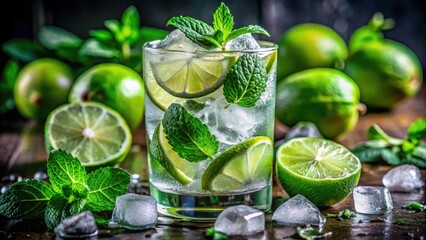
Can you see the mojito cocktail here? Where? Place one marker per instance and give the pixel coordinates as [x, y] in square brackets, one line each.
[209, 120]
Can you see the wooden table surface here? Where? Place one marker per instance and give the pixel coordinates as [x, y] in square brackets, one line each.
[22, 152]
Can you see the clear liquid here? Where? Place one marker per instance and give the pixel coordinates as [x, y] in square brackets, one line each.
[231, 125]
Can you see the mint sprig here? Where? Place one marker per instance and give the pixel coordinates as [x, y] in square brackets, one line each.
[187, 135]
[395, 151]
[245, 81]
[71, 192]
[210, 37]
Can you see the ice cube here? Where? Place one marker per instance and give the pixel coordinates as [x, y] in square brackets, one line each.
[133, 211]
[404, 178]
[240, 220]
[242, 42]
[231, 125]
[298, 210]
[177, 40]
[81, 225]
[372, 200]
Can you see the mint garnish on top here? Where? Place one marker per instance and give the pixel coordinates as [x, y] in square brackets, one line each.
[71, 192]
[210, 37]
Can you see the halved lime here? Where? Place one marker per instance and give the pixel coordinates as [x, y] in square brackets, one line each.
[92, 132]
[321, 170]
[247, 163]
[179, 168]
[190, 77]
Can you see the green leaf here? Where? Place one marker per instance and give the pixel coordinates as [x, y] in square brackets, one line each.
[244, 30]
[223, 21]
[57, 209]
[370, 151]
[77, 206]
[414, 160]
[54, 38]
[391, 157]
[420, 151]
[417, 130]
[26, 199]
[375, 132]
[131, 18]
[245, 81]
[212, 40]
[147, 34]
[187, 135]
[105, 185]
[415, 206]
[115, 27]
[7, 84]
[94, 48]
[23, 49]
[64, 170]
[194, 30]
[102, 35]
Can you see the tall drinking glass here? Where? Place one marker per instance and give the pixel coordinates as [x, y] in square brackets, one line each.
[220, 103]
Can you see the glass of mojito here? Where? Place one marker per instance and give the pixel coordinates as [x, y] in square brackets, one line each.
[210, 100]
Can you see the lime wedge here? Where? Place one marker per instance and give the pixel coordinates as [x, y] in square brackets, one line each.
[321, 170]
[159, 96]
[94, 133]
[247, 163]
[269, 61]
[190, 77]
[179, 168]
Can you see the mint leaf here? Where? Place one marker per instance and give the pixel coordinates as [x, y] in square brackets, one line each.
[194, 30]
[7, 84]
[244, 30]
[105, 185]
[223, 21]
[94, 48]
[415, 206]
[102, 35]
[64, 170]
[26, 199]
[414, 160]
[130, 25]
[420, 152]
[375, 132]
[245, 81]
[370, 151]
[391, 157]
[23, 49]
[188, 136]
[417, 130]
[57, 209]
[54, 38]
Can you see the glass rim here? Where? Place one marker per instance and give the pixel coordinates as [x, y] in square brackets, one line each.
[266, 46]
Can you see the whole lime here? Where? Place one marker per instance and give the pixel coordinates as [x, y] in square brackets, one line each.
[309, 46]
[114, 85]
[324, 96]
[386, 72]
[41, 86]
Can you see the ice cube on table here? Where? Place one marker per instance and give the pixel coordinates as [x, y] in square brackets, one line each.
[133, 211]
[404, 178]
[176, 40]
[242, 42]
[298, 210]
[372, 200]
[240, 220]
[78, 226]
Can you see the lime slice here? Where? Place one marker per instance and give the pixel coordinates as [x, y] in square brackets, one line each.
[94, 133]
[321, 170]
[269, 61]
[159, 96]
[190, 77]
[179, 168]
[247, 163]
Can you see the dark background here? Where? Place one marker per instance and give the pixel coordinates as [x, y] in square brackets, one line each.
[23, 18]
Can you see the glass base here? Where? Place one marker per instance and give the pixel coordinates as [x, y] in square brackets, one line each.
[207, 208]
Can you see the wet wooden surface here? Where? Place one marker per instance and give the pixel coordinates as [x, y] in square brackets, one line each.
[22, 152]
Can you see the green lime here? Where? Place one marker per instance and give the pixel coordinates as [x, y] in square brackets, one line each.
[309, 46]
[249, 162]
[114, 85]
[269, 60]
[321, 170]
[41, 86]
[326, 97]
[92, 132]
[190, 77]
[179, 168]
[386, 73]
